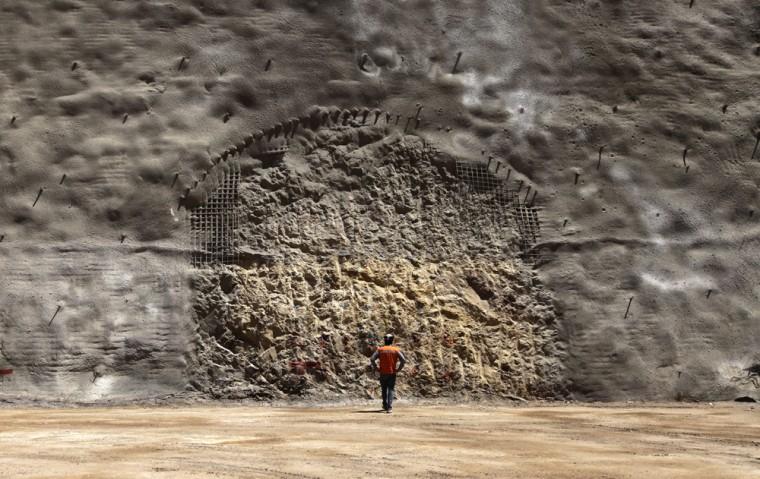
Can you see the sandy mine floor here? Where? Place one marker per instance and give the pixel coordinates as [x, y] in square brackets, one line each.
[454, 441]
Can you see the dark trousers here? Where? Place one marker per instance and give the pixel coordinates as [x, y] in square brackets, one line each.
[388, 384]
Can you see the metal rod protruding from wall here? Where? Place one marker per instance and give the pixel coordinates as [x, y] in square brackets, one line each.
[628, 308]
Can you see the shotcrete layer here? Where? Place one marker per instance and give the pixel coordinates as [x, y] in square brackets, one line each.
[636, 122]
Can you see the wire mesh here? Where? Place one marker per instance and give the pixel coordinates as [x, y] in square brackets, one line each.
[213, 224]
[485, 190]
[529, 229]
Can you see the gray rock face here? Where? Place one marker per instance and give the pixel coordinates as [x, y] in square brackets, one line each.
[75, 327]
[637, 121]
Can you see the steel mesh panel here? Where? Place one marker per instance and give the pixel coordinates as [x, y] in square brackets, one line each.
[491, 203]
[213, 225]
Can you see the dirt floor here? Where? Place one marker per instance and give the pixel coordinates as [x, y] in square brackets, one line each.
[416, 441]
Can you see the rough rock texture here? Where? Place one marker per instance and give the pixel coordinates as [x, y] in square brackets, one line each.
[357, 236]
[636, 121]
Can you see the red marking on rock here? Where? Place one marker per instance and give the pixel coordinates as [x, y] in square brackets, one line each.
[300, 367]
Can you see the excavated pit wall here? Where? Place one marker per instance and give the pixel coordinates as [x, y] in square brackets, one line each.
[355, 234]
[636, 120]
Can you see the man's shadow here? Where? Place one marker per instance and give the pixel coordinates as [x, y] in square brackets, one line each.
[370, 411]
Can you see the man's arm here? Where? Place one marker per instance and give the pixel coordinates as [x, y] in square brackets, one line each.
[372, 360]
[401, 361]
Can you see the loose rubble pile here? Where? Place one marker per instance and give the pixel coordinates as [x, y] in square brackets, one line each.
[354, 234]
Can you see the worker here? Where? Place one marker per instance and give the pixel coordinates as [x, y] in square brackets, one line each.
[392, 361]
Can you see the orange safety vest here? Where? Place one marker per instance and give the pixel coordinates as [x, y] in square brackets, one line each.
[388, 356]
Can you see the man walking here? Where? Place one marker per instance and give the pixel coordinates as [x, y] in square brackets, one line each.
[392, 360]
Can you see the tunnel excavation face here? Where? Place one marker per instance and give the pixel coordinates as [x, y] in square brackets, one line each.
[358, 231]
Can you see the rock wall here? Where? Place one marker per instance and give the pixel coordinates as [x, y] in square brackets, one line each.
[635, 121]
[353, 235]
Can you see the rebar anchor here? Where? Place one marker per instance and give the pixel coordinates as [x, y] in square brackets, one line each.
[58, 309]
[456, 63]
[38, 197]
[628, 308]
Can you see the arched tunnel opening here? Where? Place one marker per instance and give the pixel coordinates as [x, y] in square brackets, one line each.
[356, 230]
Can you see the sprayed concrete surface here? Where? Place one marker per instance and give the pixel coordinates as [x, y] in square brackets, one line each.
[636, 122]
[661, 441]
